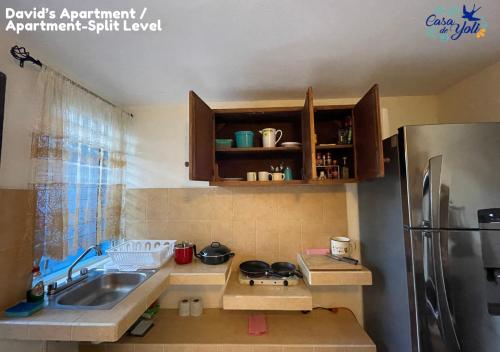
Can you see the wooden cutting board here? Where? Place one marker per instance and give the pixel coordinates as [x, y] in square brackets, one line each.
[324, 263]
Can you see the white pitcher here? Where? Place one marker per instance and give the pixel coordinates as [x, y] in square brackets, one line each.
[269, 137]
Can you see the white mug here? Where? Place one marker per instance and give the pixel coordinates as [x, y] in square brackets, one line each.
[251, 176]
[340, 245]
[269, 137]
[278, 176]
[264, 175]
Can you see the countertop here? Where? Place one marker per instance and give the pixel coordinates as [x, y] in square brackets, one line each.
[108, 325]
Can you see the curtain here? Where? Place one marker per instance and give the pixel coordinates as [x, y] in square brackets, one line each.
[78, 155]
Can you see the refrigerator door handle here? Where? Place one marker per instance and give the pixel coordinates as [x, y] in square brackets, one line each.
[447, 323]
[435, 164]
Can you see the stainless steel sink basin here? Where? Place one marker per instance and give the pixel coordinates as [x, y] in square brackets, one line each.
[101, 290]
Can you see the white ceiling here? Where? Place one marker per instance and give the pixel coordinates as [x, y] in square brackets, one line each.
[265, 49]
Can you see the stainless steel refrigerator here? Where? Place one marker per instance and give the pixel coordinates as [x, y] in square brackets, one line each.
[430, 233]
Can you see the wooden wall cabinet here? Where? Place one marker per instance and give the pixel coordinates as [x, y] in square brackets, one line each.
[313, 126]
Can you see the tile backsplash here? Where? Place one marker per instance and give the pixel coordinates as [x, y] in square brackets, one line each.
[265, 223]
[16, 245]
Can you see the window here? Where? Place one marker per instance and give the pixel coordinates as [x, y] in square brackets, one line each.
[78, 160]
[82, 204]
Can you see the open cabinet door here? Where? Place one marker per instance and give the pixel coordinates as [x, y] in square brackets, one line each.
[308, 138]
[367, 136]
[201, 139]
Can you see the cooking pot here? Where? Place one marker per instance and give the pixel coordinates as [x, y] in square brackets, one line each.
[183, 253]
[214, 254]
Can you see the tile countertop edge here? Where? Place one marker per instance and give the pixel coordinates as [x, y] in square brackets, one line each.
[88, 325]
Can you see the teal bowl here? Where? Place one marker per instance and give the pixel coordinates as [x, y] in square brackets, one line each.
[223, 143]
[244, 139]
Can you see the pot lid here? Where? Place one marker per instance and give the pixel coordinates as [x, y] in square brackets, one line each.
[215, 249]
[183, 244]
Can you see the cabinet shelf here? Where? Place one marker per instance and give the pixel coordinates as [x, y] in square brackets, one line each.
[258, 150]
[256, 183]
[332, 181]
[337, 146]
[311, 125]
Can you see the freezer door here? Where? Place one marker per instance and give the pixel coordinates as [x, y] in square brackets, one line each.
[451, 292]
[461, 162]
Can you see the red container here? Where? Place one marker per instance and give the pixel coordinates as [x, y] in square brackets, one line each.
[184, 253]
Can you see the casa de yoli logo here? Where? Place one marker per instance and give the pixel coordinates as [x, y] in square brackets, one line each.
[456, 23]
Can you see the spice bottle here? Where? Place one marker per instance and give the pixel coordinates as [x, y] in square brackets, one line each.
[345, 168]
[349, 131]
[328, 158]
[335, 170]
[319, 159]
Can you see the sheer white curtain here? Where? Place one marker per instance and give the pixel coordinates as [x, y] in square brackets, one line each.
[78, 154]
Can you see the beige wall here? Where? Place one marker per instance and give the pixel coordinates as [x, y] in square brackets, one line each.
[474, 99]
[159, 135]
[22, 104]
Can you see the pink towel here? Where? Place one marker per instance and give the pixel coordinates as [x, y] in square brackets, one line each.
[257, 324]
[317, 251]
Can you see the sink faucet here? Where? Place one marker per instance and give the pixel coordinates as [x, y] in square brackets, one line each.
[54, 288]
[97, 248]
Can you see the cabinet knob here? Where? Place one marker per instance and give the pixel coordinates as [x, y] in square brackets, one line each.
[186, 163]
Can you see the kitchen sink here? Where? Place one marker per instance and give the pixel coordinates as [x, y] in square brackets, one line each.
[102, 289]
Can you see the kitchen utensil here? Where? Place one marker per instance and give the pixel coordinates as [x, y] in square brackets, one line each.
[340, 245]
[269, 139]
[278, 176]
[251, 176]
[264, 175]
[288, 173]
[183, 253]
[255, 268]
[244, 139]
[324, 262]
[344, 259]
[214, 254]
[285, 269]
[291, 144]
[223, 144]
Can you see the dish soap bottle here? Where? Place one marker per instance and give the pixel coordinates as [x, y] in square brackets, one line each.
[37, 290]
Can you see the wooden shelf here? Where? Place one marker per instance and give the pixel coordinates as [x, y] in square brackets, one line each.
[343, 277]
[259, 150]
[307, 123]
[332, 181]
[217, 330]
[197, 273]
[244, 297]
[337, 146]
[256, 183]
